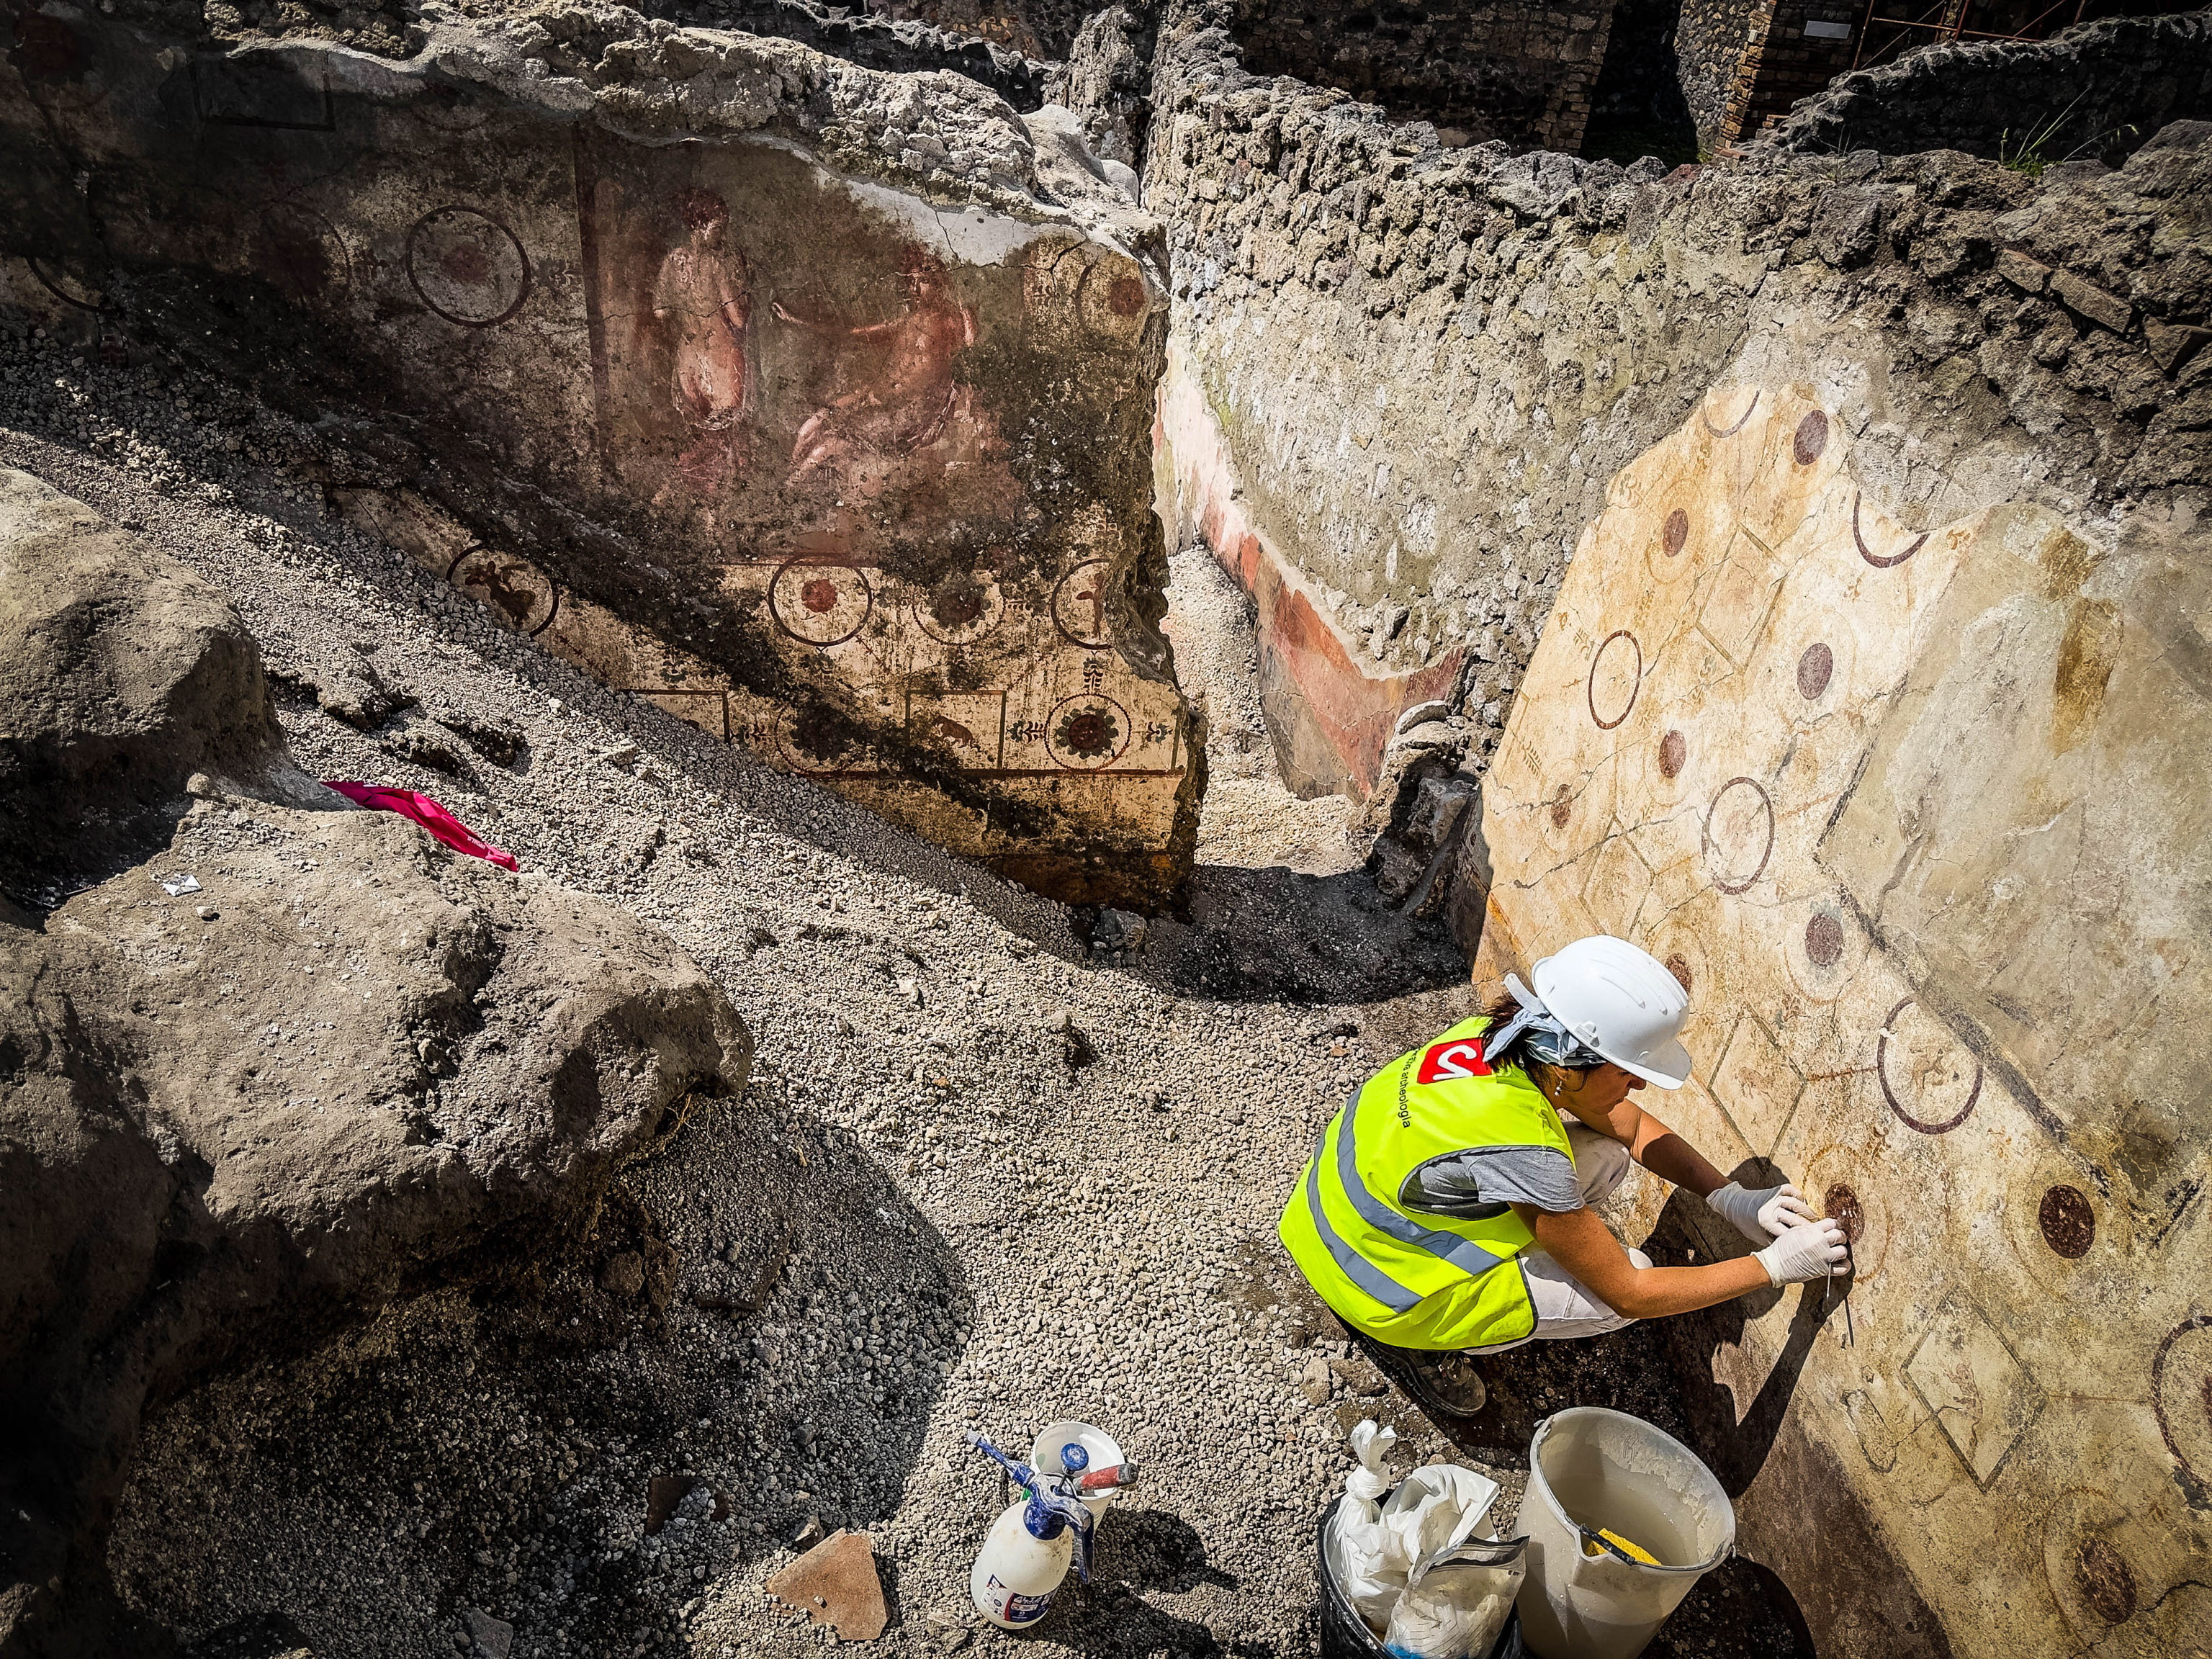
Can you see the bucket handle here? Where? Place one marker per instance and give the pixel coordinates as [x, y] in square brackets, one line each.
[1595, 1542]
[1589, 1538]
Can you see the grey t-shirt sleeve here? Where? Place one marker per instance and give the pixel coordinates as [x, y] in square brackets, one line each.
[1483, 1180]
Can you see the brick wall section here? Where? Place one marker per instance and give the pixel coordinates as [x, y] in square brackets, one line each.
[1516, 71]
[1782, 64]
[2122, 72]
[1791, 63]
[1714, 45]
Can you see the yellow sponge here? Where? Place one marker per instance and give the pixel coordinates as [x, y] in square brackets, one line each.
[1633, 1552]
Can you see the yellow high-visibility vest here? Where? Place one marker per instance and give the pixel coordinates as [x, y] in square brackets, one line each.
[1378, 1263]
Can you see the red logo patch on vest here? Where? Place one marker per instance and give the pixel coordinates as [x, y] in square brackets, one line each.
[1442, 1061]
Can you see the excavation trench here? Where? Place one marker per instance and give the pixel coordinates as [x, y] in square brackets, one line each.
[1010, 704]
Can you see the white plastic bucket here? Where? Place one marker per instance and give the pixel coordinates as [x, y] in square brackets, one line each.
[1104, 1453]
[1591, 1468]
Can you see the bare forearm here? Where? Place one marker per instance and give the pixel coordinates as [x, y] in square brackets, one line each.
[1654, 1292]
[1670, 1158]
[1578, 1242]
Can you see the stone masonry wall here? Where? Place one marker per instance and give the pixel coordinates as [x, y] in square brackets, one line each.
[1041, 29]
[1007, 63]
[2115, 83]
[1517, 70]
[1421, 366]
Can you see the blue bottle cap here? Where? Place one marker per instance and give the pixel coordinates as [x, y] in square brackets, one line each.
[1042, 1519]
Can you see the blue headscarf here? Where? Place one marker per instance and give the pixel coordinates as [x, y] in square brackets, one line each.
[1541, 1037]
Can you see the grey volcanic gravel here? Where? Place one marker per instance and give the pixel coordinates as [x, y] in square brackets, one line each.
[949, 1225]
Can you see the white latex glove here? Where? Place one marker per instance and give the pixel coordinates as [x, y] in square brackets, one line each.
[1764, 1212]
[1814, 1250]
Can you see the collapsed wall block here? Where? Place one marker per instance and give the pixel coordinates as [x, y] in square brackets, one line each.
[806, 401]
[2099, 90]
[207, 1150]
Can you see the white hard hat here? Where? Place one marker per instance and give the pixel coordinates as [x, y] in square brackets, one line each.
[1621, 1002]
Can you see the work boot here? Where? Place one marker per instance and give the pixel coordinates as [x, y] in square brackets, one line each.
[1442, 1382]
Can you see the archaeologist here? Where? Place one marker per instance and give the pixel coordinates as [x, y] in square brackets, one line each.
[1446, 1211]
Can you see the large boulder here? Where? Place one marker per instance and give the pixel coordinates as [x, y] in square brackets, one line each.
[123, 674]
[351, 1063]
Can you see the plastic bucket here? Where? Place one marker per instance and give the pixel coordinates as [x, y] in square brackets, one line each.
[1591, 1468]
[1105, 1453]
[1344, 1634]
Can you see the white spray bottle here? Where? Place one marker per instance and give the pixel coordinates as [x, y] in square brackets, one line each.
[1025, 1554]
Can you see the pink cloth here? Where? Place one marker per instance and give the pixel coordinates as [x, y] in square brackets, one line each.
[427, 813]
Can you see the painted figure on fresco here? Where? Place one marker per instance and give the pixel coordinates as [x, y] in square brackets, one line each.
[703, 297]
[909, 400]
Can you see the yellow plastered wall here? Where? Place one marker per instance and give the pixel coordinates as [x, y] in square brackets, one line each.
[1919, 818]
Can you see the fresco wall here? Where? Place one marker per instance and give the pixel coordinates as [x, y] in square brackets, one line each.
[1917, 816]
[826, 433]
[1330, 704]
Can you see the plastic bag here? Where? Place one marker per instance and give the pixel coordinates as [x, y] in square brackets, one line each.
[1456, 1601]
[1435, 1508]
[1360, 1550]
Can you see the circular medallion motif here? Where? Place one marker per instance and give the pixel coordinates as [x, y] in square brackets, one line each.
[1739, 835]
[1882, 561]
[1814, 669]
[1842, 1205]
[1924, 1072]
[1704, 414]
[1616, 672]
[1086, 733]
[301, 253]
[513, 589]
[817, 740]
[2085, 1537]
[1810, 438]
[2107, 1583]
[961, 608]
[820, 605]
[1079, 605]
[467, 267]
[2181, 1393]
[2068, 1224]
[1830, 1180]
[65, 288]
[1824, 940]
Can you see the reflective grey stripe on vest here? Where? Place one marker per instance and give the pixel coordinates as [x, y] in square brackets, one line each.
[1464, 1254]
[1349, 1262]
